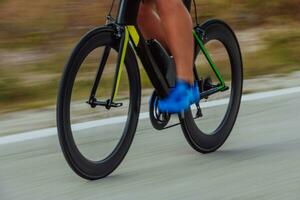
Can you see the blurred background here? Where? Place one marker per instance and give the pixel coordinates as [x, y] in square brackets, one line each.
[36, 38]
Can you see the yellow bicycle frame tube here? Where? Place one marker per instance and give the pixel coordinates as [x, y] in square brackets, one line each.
[134, 36]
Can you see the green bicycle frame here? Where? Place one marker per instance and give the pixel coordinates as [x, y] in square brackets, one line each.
[210, 61]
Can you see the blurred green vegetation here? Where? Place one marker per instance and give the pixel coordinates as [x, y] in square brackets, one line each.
[36, 38]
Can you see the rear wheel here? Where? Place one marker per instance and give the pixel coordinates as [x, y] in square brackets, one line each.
[206, 132]
[95, 139]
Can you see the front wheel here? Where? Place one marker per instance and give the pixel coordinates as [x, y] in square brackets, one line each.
[95, 134]
[208, 132]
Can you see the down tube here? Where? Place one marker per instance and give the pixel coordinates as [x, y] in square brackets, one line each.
[127, 12]
[156, 77]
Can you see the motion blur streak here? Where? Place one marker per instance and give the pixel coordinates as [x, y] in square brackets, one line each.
[98, 123]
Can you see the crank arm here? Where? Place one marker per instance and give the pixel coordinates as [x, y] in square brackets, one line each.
[206, 94]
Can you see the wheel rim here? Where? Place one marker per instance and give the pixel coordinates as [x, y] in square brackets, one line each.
[98, 132]
[214, 109]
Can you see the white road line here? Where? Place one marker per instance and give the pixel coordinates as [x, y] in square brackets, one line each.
[117, 120]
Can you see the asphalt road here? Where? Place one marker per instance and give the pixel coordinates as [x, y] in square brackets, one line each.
[260, 160]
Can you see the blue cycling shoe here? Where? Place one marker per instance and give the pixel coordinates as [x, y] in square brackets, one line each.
[180, 98]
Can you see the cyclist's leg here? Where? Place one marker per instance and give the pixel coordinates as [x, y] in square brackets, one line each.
[172, 27]
[177, 25]
[175, 19]
[150, 23]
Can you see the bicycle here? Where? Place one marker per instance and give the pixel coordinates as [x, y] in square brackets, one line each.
[120, 40]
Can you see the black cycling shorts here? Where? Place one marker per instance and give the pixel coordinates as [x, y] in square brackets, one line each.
[188, 4]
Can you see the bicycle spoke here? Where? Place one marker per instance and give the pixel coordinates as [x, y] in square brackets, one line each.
[99, 72]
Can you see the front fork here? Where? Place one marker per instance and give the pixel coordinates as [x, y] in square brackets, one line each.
[123, 34]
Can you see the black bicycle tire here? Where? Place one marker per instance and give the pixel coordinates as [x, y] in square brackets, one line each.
[197, 139]
[86, 168]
